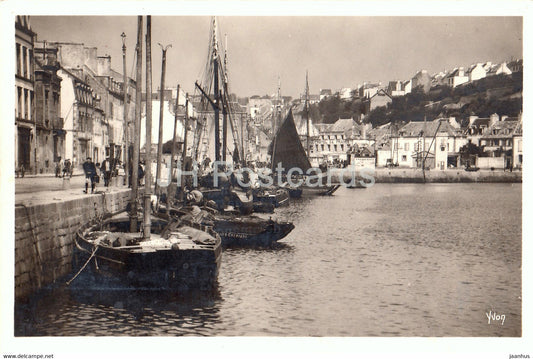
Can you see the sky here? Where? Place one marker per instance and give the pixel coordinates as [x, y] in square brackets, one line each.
[337, 51]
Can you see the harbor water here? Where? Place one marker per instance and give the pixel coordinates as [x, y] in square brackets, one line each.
[389, 260]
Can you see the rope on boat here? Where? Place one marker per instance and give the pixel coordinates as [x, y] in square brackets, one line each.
[85, 265]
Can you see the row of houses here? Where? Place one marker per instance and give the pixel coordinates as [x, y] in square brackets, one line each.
[379, 94]
[69, 103]
[438, 144]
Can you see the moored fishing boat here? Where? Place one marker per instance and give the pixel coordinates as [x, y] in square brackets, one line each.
[235, 230]
[276, 196]
[182, 257]
[288, 152]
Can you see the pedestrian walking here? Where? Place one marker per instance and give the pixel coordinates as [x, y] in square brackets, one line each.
[90, 174]
[106, 171]
[67, 168]
[58, 167]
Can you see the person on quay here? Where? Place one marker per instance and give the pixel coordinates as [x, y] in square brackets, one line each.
[106, 171]
[90, 174]
[67, 168]
[58, 167]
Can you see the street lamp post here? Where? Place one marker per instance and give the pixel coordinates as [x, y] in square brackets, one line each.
[125, 89]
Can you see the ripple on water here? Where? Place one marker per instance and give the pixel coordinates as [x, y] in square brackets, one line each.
[390, 260]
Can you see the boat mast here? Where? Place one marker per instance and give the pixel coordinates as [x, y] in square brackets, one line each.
[224, 105]
[137, 130]
[307, 111]
[184, 152]
[173, 150]
[424, 150]
[126, 120]
[216, 91]
[280, 103]
[161, 108]
[148, 144]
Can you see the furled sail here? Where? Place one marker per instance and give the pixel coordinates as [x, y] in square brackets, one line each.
[287, 147]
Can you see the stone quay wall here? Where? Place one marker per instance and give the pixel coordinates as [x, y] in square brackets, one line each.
[45, 232]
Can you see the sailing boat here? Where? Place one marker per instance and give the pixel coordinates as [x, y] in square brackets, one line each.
[288, 152]
[158, 254]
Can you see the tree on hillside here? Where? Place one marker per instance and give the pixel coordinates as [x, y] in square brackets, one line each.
[378, 116]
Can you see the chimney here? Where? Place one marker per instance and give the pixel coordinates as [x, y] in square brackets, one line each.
[494, 118]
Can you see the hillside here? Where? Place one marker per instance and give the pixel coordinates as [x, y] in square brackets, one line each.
[501, 94]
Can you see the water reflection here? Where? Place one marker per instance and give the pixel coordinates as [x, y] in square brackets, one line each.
[75, 312]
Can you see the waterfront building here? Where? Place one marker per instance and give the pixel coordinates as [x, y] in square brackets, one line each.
[517, 145]
[83, 117]
[498, 139]
[50, 131]
[436, 143]
[333, 143]
[25, 126]
[92, 103]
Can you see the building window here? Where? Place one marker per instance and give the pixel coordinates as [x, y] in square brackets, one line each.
[19, 94]
[322, 147]
[342, 147]
[18, 60]
[46, 105]
[404, 158]
[329, 148]
[335, 147]
[30, 52]
[25, 104]
[24, 61]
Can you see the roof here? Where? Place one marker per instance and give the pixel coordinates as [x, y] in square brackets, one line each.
[481, 122]
[501, 127]
[342, 125]
[323, 127]
[381, 92]
[518, 129]
[417, 128]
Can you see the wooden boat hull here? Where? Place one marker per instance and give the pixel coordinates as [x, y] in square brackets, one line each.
[319, 190]
[250, 231]
[277, 196]
[181, 268]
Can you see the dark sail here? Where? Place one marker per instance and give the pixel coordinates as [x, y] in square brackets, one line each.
[287, 148]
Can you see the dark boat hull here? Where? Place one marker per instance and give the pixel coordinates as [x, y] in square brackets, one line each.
[174, 268]
[250, 231]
